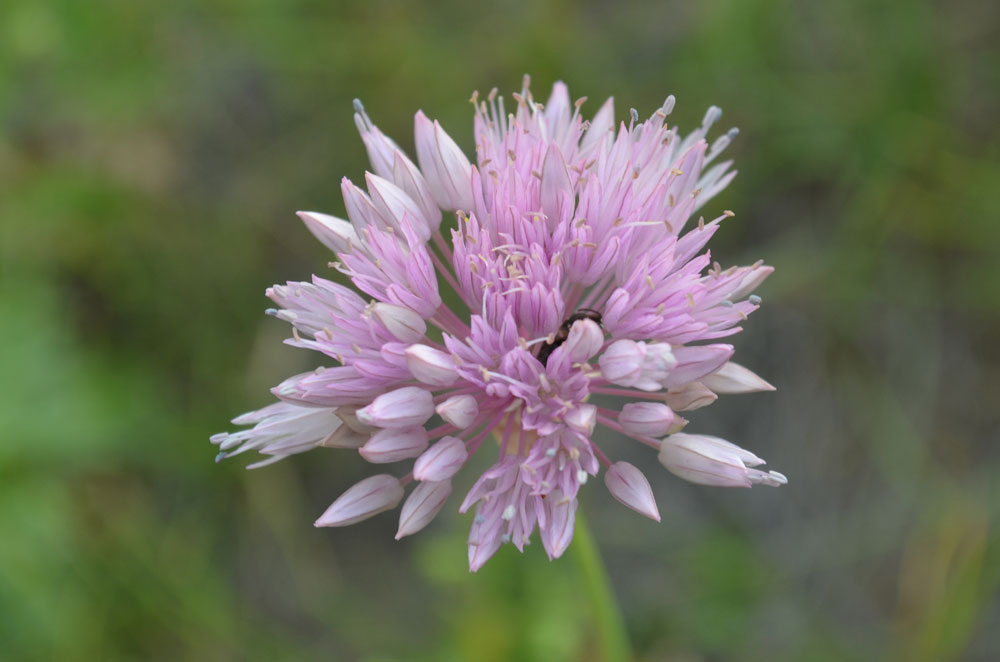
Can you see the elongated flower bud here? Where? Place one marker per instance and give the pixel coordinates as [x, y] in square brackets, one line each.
[441, 461]
[360, 210]
[371, 496]
[690, 396]
[712, 461]
[459, 410]
[403, 408]
[345, 437]
[393, 445]
[422, 506]
[431, 366]
[650, 419]
[696, 361]
[448, 171]
[400, 321]
[629, 486]
[644, 366]
[561, 514]
[585, 339]
[734, 378]
[395, 206]
[335, 233]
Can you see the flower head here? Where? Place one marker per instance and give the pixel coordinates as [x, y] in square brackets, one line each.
[577, 275]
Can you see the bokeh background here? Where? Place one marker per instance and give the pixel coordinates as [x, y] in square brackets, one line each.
[151, 158]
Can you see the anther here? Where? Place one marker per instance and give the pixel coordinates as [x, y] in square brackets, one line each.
[754, 299]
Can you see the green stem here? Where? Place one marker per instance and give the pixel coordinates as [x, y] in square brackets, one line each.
[611, 633]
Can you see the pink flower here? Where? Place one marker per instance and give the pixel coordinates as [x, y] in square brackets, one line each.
[580, 277]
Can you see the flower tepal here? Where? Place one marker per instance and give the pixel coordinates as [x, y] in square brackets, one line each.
[577, 262]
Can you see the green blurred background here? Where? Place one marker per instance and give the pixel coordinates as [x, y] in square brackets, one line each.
[151, 158]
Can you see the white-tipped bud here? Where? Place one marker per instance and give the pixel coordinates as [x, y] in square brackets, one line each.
[394, 445]
[695, 362]
[371, 496]
[459, 410]
[335, 233]
[640, 365]
[441, 461]
[694, 395]
[582, 418]
[629, 486]
[422, 506]
[395, 207]
[650, 419]
[584, 340]
[734, 378]
[431, 366]
[403, 408]
[446, 169]
[712, 461]
[401, 322]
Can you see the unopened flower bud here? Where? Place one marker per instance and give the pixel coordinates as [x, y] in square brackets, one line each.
[441, 461]
[345, 437]
[422, 506]
[561, 516]
[394, 206]
[400, 321]
[734, 378]
[640, 365]
[403, 408]
[585, 339]
[651, 419]
[335, 233]
[582, 418]
[431, 366]
[696, 361]
[694, 395]
[393, 445]
[712, 461]
[448, 171]
[459, 410]
[629, 486]
[360, 209]
[371, 496]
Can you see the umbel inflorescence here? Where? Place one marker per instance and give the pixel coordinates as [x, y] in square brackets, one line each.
[576, 272]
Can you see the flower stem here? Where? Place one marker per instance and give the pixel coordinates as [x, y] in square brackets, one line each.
[611, 634]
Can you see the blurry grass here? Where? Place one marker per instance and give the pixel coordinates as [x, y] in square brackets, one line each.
[150, 161]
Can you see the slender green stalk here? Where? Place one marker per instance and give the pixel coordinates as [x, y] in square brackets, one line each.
[611, 634]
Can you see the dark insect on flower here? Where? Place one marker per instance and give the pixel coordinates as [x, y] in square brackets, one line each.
[563, 332]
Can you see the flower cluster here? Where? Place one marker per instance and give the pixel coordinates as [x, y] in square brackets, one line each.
[572, 272]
